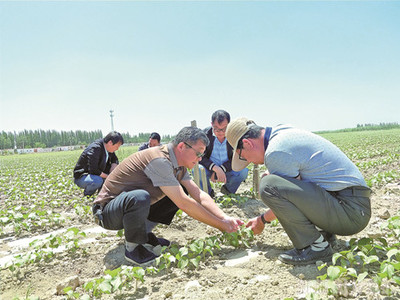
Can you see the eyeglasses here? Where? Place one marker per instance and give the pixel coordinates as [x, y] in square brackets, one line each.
[219, 129]
[198, 154]
[240, 155]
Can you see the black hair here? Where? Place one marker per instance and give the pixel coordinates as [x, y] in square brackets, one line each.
[115, 137]
[191, 135]
[220, 115]
[155, 136]
[254, 132]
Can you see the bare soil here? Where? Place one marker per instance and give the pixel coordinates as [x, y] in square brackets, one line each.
[231, 273]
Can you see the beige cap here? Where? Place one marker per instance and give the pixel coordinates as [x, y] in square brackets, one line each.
[234, 132]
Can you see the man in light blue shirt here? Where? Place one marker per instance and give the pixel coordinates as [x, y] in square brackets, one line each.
[217, 160]
[312, 187]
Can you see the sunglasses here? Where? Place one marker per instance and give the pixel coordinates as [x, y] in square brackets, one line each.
[198, 154]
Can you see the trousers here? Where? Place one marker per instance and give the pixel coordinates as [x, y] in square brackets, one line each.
[131, 211]
[302, 206]
[90, 183]
[233, 179]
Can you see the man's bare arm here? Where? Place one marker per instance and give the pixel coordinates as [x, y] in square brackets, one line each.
[196, 210]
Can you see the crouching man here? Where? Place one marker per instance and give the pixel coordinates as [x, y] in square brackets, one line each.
[148, 188]
[313, 188]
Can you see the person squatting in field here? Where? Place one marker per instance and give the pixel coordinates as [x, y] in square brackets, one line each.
[154, 141]
[96, 162]
[149, 187]
[217, 160]
[311, 186]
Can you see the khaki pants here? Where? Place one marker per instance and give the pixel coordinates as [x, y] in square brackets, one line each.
[301, 206]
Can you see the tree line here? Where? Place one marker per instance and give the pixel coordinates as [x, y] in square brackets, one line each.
[52, 138]
[364, 127]
[377, 126]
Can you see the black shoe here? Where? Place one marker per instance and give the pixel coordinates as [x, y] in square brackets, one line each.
[155, 241]
[140, 256]
[330, 238]
[212, 193]
[306, 256]
[224, 190]
[291, 252]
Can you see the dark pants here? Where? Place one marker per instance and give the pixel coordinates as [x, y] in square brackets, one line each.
[301, 206]
[130, 210]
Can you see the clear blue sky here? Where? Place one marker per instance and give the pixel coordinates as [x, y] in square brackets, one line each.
[159, 65]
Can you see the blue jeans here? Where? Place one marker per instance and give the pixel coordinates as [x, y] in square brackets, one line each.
[233, 179]
[90, 183]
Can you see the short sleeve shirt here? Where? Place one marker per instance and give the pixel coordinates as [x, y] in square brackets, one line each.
[148, 170]
[292, 152]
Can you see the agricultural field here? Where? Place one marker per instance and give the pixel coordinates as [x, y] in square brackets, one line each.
[51, 249]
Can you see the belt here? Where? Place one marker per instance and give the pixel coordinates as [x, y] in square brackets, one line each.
[355, 191]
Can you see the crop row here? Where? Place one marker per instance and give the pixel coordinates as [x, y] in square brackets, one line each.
[38, 193]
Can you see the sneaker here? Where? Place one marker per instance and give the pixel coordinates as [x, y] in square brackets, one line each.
[306, 256]
[140, 256]
[330, 238]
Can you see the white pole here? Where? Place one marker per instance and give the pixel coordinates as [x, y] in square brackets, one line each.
[112, 123]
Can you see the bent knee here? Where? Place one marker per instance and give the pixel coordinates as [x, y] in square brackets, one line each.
[270, 188]
[138, 197]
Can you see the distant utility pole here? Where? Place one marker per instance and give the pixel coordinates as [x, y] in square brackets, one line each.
[112, 123]
[15, 142]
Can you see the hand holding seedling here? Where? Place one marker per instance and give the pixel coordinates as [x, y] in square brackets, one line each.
[257, 225]
[232, 224]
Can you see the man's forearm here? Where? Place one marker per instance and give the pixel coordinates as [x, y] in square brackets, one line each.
[208, 203]
[193, 206]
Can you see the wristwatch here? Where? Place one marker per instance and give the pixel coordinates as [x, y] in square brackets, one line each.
[263, 220]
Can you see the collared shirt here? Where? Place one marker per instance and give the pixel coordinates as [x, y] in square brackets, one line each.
[219, 154]
[292, 152]
[147, 170]
[106, 152]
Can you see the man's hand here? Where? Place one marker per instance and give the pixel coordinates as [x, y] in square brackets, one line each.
[266, 173]
[256, 225]
[219, 174]
[232, 224]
